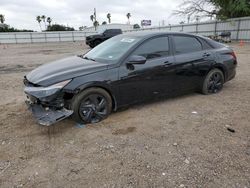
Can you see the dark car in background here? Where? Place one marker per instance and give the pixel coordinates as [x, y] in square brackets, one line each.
[124, 70]
[94, 40]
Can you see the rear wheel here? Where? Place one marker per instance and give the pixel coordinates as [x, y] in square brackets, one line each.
[213, 82]
[91, 106]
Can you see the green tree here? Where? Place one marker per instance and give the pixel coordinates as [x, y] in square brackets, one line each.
[38, 19]
[92, 18]
[222, 9]
[49, 20]
[96, 23]
[2, 19]
[57, 27]
[43, 17]
[104, 23]
[109, 17]
[136, 26]
[128, 16]
[82, 28]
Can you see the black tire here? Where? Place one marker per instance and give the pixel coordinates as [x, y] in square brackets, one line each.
[84, 107]
[213, 83]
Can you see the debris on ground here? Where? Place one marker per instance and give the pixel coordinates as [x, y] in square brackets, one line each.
[194, 112]
[79, 125]
[229, 128]
[187, 161]
[4, 166]
[175, 144]
[248, 151]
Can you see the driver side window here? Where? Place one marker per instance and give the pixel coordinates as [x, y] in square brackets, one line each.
[153, 48]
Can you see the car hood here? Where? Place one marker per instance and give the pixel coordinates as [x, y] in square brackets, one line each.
[63, 69]
[94, 36]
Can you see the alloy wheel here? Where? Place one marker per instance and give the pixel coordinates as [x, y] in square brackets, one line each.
[215, 83]
[93, 108]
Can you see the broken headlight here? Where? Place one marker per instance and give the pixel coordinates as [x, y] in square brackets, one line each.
[40, 92]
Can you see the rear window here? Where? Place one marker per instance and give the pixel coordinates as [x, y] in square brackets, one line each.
[215, 44]
[114, 31]
[186, 44]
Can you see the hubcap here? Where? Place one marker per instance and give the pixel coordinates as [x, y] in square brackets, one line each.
[93, 108]
[215, 83]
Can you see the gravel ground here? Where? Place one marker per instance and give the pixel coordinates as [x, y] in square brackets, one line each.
[158, 144]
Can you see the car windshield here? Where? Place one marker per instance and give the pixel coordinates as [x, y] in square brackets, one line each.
[111, 50]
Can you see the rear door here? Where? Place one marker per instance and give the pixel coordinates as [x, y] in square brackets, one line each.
[191, 58]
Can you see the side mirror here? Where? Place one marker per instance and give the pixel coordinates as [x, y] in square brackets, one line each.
[136, 59]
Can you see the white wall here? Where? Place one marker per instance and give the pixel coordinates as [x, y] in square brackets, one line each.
[123, 27]
[239, 27]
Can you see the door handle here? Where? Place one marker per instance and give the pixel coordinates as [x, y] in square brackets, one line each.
[167, 63]
[206, 55]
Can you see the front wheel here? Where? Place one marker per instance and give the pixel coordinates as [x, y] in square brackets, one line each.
[91, 106]
[213, 82]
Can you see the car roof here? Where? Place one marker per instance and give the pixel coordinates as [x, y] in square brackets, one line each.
[146, 34]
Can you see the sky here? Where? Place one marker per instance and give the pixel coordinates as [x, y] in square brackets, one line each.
[22, 14]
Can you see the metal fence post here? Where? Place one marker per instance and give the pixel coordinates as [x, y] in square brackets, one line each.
[59, 36]
[215, 28]
[238, 29]
[73, 36]
[15, 38]
[31, 40]
[45, 36]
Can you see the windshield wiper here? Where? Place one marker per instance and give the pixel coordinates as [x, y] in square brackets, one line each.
[85, 57]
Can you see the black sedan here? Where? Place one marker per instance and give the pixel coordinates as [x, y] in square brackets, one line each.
[124, 70]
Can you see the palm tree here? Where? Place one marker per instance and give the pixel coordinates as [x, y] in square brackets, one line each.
[38, 19]
[2, 19]
[92, 18]
[109, 17]
[43, 17]
[128, 16]
[96, 23]
[49, 20]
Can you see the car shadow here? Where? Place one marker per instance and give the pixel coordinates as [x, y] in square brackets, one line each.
[155, 100]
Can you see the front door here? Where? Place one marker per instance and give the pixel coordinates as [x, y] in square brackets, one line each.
[154, 78]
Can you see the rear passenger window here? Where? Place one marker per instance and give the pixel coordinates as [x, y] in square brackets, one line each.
[185, 44]
[153, 48]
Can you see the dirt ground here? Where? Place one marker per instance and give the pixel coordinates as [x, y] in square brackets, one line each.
[159, 144]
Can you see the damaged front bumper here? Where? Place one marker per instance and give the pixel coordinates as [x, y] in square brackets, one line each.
[47, 103]
[47, 116]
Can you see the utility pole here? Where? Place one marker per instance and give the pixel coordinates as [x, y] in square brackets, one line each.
[95, 18]
[94, 14]
[188, 18]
